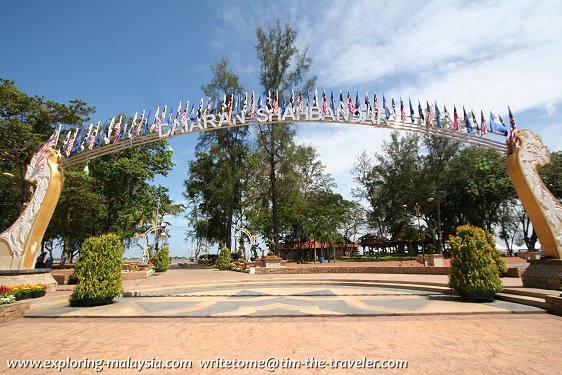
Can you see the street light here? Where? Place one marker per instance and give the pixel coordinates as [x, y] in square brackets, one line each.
[418, 216]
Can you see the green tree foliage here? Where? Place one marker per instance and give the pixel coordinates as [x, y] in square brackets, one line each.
[283, 67]
[161, 260]
[26, 122]
[223, 261]
[218, 175]
[98, 271]
[475, 263]
[445, 180]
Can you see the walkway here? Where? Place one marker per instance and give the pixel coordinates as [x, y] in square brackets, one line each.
[385, 320]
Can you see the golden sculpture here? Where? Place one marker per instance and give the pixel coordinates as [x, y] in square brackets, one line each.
[20, 243]
[544, 210]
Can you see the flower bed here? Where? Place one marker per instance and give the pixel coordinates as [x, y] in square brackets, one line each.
[10, 294]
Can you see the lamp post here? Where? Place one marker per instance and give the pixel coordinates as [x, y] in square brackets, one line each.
[418, 216]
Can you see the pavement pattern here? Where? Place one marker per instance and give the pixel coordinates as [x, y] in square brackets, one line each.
[289, 299]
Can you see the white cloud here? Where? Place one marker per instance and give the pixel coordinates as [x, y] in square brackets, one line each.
[338, 147]
[486, 54]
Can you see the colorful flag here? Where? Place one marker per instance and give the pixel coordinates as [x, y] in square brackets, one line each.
[342, 104]
[420, 113]
[350, 105]
[93, 137]
[315, 98]
[376, 105]
[474, 120]
[402, 111]
[393, 108]
[51, 142]
[385, 107]
[324, 102]
[469, 128]
[496, 125]
[455, 118]
[357, 102]
[367, 103]
[71, 143]
[437, 115]
[117, 128]
[260, 104]
[429, 115]
[483, 129]
[252, 106]
[513, 139]
[276, 103]
[447, 117]
[412, 114]
[300, 102]
[332, 102]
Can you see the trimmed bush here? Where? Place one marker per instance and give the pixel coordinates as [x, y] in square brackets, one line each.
[98, 271]
[475, 264]
[223, 262]
[161, 260]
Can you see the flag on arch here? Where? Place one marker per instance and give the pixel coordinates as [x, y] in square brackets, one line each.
[51, 142]
[385, 107]
[437, 115]
[420, 113]
[429, 115]
[412, 114]
[324, 102]
[469, 128]
[376, 105]
[496, 125]
[402, 111]
[513, 139]
[455, 118]
[483, 129]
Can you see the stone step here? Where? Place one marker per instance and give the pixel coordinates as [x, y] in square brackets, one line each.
[523, 299]
[530, 292]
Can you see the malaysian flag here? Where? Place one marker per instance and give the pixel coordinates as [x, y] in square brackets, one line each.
[183, 118]
[276, 103]
[252, 106]
[117, 135]
[429, 115]
[93, 137]
[513, 139]
[350, 104]
[138, 128]
[402, 111]
[324, 102]
[376, 106]
[71, 143]
[229, 107]
[301, 104]
[51, 142]
[455, 118]
[483, 129]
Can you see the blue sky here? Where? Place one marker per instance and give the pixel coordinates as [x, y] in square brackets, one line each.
[126, 56]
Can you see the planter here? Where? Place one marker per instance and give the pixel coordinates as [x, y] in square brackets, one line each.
[21, 296]
[91, 302]
[38, 294]
[435, 260]
[477, 296]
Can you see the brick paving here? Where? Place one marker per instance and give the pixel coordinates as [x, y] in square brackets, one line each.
[433, 344]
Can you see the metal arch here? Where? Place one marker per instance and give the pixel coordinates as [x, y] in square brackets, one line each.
[83, 157]
[253, 238]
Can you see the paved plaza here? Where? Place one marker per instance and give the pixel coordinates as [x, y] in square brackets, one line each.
[204, 314]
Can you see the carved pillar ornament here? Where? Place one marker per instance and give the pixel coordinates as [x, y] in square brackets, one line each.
[21, 242]
[544, 210]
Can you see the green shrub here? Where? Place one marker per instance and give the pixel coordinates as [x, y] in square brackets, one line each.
[475, 262]
[98, 271]
[223, 262]
[161, 260]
